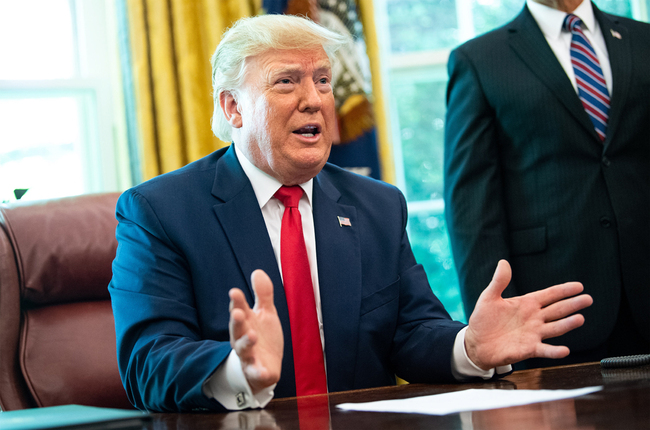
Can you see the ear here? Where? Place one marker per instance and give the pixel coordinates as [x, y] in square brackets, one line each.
[230, 108]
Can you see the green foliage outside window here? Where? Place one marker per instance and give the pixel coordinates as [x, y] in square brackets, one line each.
[420, 25]
[421, 110]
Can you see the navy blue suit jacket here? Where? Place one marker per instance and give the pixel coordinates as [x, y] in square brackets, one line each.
[187, 237]
[527, 179]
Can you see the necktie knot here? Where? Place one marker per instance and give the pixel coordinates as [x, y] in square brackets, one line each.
[572, 23]
[289, 196]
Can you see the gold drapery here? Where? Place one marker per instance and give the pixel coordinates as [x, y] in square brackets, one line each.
[171, 45]
[367, 16]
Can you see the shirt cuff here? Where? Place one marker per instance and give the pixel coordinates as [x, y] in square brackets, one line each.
[229, 386]
[463, 368]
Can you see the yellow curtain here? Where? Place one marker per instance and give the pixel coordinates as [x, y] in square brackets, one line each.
[171, 45]
[367, 15]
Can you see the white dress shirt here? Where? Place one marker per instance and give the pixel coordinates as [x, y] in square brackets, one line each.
[550, 22]
[228, 384]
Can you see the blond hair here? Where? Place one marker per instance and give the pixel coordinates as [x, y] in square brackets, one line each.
[253, 36]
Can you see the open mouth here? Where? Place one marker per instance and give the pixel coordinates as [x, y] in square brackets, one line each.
[308, 130]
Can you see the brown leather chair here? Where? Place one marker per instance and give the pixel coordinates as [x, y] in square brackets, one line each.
[57, 335]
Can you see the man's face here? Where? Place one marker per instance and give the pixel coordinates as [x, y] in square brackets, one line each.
[285, 116]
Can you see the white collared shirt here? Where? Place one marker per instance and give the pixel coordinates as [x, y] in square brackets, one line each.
[550, 21]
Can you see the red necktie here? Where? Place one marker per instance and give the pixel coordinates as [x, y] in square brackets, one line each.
[305, 337]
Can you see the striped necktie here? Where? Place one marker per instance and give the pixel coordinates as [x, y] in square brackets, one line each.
[592, 88]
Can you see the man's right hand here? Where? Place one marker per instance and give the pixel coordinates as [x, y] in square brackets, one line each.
[256, 334]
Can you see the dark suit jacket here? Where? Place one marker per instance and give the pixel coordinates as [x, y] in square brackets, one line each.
[528, 180]
[187, 237]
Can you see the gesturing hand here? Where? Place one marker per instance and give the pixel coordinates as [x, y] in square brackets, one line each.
[505, 331]
[256, 334]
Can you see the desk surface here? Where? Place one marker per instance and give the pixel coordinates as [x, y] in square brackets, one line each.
[624, 403]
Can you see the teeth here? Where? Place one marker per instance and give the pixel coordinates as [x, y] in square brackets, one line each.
[308, 134]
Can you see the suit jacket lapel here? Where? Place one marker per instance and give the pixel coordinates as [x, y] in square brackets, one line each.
[529, 43]
[243, 223]
[339, 272]
[241, 219]
[620, 59]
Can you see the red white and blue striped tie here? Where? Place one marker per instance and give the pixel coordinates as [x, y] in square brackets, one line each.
[592, 88]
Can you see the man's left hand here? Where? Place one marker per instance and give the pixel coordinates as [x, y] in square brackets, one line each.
[505, 331]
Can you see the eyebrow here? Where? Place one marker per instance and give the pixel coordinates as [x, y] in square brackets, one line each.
[323, 67]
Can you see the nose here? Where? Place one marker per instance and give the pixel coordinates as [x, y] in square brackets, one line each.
[310, 97]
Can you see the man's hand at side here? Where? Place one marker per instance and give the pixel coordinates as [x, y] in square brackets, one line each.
[256, 334]
[505, 331]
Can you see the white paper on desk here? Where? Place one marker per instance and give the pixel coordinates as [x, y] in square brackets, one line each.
[467, 400]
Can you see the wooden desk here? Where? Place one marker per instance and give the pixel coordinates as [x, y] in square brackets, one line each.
[624, 403]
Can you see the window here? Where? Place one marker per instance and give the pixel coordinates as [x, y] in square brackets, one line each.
[61, 115]
[420, 36]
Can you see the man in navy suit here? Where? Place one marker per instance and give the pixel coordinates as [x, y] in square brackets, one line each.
[528, 177]
[199, 246]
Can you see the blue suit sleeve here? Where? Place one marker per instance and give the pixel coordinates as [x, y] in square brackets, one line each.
[162, 358]
[425, 334]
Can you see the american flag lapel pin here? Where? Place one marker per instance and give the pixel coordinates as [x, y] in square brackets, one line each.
[616, 34]
[344, 221]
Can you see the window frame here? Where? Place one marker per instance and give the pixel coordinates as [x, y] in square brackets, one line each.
[97, 86]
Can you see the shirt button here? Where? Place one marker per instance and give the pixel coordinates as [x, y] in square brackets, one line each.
[605, 222]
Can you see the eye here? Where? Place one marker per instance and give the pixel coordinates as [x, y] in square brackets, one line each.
[284, 81]
[324, 81]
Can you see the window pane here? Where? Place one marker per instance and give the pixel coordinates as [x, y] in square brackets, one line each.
[421, 112]
[41, 147]
[428, 235]
[36, 39]
[490, 14]
[418, 25]
[617, 7]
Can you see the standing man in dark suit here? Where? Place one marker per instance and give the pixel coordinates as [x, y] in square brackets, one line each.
[363, 311]
[548, 166]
